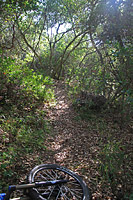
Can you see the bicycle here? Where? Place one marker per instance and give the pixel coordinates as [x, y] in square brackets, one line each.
[50, 182]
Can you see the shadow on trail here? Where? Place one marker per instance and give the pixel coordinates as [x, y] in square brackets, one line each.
[80, 146]
[72, 143]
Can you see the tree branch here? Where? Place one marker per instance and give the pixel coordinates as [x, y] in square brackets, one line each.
[13, 39]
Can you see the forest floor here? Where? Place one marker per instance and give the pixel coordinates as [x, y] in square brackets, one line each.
[80, 144]
[87, 147]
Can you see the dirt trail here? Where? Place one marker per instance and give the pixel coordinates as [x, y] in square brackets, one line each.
[72, 144]
[71, 137]
[75, 144]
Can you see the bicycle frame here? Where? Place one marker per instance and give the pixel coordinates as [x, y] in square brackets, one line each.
[6, 196]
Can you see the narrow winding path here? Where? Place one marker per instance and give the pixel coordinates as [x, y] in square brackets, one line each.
[78, 145]
[72, 144]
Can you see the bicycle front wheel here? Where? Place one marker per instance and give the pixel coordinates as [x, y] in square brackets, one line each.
[74, 189]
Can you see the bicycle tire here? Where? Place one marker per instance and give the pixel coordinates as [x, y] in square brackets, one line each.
[75, 189]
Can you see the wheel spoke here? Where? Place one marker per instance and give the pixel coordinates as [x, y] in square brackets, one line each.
[55, 173]
[71, 190]
[48, 174]
[51, 192]
[75, 183]
[58, 195]
[73, 193]
[64, 195]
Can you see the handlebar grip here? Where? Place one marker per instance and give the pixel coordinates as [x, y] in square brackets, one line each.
[2, 196]
[10, 190]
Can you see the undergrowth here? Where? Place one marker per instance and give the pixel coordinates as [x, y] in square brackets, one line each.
[114, 157]
[23, 124]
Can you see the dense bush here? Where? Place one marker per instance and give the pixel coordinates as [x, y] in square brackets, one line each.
[23, 125]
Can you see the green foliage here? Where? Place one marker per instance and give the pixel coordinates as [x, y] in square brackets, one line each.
[18, 5]
[22, 123]
[100, 64]
[112, 159]
[32, 83]
[115, 168]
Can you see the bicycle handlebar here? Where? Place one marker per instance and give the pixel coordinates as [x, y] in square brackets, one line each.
[28, 186]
